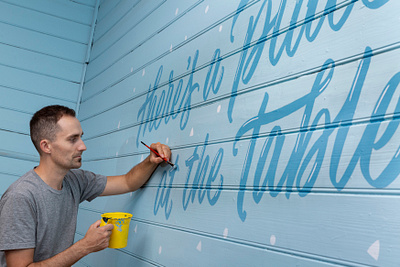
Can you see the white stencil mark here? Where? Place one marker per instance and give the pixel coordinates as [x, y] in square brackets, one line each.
[272, 240]
[225, 232]
[373, 250]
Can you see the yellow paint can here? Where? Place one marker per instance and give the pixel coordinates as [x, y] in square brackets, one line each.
[119, 235]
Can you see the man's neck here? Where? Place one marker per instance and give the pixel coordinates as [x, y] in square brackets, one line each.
[51, 175]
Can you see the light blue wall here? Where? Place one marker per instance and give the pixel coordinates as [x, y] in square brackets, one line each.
[283, 121]
[282, 117]
[43, 47]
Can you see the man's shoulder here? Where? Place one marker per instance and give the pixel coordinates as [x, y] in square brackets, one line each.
[26, 185]
[23, 191]
[86, 183]
[28, 180]
[76, 175]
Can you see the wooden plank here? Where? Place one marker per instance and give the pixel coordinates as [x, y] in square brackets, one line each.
[129, 32]
[28, 102]
[142, 118]
[116, 119]
[17, 143]
[40, 63]
[230, 169]
[331, 227]
[38, 84]
[107, 52]
[300, 171]
[15, 121]
[105, 8]
[370, 113]
[17, 108]
[116, 14]
[112, 257]
[309, 219]
[42, 43]
[207, 27]
[325, 45]
[16, 167]
[167, 245]
[91, 3]
[277, 101]
[151, 33]
[44, 23]
[133, 35]
[70, 10]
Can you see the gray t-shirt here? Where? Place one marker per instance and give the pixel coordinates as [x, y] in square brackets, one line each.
[34, 215]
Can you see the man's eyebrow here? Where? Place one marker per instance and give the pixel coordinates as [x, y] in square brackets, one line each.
[75, 135]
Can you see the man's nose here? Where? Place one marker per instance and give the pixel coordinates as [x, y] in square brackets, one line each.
[82, 146]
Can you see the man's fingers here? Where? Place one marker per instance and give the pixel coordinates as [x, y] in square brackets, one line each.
[163, 150]
[96, 224]
[108, 227]
[157, 147]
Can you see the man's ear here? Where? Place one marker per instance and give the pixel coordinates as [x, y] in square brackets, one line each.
[45, 146]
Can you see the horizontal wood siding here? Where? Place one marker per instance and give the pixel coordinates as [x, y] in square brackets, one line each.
[43, 47]
[282, 117]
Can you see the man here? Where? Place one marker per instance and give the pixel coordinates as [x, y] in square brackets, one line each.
[38, 212]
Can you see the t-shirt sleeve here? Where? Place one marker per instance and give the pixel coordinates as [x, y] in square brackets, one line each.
[17, 222]
[91, 185]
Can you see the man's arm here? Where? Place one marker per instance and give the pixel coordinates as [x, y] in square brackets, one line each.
[139, 174]
[96, 239]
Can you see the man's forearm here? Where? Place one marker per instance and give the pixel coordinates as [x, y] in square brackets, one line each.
[139, 174]
[66, 258]
[24, 257]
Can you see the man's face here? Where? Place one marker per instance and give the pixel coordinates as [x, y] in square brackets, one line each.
[68, 146]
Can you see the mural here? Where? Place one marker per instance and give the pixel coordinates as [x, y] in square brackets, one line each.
[283, 121]
[173, 102]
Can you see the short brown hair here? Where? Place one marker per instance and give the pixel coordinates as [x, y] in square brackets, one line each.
[43, 124]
